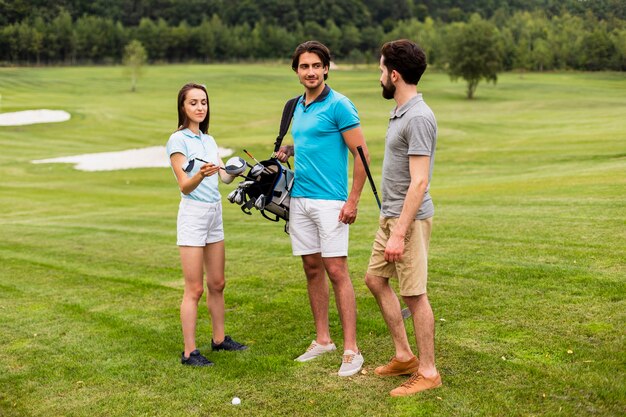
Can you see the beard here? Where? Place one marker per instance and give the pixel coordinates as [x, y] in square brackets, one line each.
[388, 90]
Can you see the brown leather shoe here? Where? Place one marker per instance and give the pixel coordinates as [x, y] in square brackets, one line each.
[395, 367]
[415, 384]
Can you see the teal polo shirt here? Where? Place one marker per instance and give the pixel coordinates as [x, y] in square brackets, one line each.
[201, 146]
[321, 155]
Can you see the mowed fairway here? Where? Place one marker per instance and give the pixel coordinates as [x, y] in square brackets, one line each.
[527, 261]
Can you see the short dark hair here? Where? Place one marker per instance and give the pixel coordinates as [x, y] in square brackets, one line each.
[314, 47]
[406, 57]
[183, 122]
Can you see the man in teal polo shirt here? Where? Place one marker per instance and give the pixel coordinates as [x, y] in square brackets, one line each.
[325, 128]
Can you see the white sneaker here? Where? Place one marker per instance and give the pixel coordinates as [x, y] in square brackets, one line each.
[352, 363]
[315, 350]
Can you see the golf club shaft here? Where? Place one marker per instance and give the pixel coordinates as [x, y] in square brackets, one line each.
[250, 155]
[238, 175]
[267, 171]
[369, 174]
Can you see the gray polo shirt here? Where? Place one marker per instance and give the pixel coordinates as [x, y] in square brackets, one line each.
[412, 131]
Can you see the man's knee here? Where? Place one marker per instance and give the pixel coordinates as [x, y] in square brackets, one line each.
[312, 265]
[337, 269]
[375, 284]
[418, 301]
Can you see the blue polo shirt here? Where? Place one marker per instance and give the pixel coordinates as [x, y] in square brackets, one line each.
[201, 146]
[321, 155]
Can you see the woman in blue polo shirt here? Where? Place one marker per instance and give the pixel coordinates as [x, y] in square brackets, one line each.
[200, 233]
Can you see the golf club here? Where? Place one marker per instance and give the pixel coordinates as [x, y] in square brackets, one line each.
[231, 196]
[256, 170]
[406, 313]
[255, 160]
[250, 155]
[191, 163]
[235, 166]
[369, 174]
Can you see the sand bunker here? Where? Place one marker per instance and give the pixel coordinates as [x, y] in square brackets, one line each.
[31, 117]
[152, 157]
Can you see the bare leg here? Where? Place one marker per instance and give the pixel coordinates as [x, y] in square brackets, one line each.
[191, 259]
[215, 282]
[317, 287]
[337, 268]
[390, 309]
[424, 324]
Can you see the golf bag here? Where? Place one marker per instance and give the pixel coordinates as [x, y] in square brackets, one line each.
[268, 189]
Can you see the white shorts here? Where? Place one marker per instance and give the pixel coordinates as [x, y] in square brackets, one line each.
[314, 227]
[199, 223]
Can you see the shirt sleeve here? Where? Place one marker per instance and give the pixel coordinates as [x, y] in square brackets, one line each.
[346, 115]
[420, 135]
[175, 144]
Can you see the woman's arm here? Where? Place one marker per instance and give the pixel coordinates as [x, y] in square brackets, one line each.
[226, 178]
[188, 184]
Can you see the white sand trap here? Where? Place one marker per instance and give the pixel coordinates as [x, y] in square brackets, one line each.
[31, 117]
[152, 157]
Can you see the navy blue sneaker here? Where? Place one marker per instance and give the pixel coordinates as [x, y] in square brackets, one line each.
[195, 359]
[228, 344]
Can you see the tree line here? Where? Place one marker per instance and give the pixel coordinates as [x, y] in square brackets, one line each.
[528, 40]
[286, 13]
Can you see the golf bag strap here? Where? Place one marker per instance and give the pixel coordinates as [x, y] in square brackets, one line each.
[285, 121]
[269, 218]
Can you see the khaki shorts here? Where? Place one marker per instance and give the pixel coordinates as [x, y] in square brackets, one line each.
[412, 270]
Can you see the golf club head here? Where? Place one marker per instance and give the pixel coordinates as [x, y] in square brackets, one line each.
[187, 167]
[260, 202]
[231, 195]
[239, 196]
[406, 313]
[256, 170]
[235, 166]
[245, 184]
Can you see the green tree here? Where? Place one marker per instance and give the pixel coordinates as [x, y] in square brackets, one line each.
[598, 51]
[351, 39]
[155, 37]
[522, 55]
[180, 46]
[619, 40]
[371, 37]
[62, 38]
[99, 39]
[542, 55]
[474, 53]
[204, 35]
[565, 38]
[134, 58]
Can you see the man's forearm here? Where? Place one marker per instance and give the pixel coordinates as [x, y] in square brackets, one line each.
[358, 181]
[412, 204]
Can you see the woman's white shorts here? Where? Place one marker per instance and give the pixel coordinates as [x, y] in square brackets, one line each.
[199, 223]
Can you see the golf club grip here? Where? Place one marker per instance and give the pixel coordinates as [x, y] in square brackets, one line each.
[369, 174]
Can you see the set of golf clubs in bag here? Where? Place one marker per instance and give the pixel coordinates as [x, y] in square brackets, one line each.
[266, 187]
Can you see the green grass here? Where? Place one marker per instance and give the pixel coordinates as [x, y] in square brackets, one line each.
[526, 264]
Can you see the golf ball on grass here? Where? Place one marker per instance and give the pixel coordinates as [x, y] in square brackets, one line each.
[236, 401]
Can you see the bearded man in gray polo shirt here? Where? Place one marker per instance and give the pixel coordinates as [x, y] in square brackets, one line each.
[401, 245]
